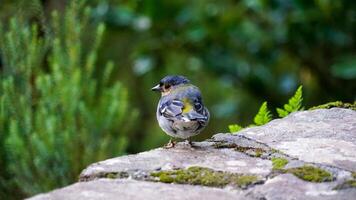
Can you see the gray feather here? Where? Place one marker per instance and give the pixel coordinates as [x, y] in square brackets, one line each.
[171, 117]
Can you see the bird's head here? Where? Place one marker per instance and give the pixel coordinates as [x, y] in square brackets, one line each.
[169, 83]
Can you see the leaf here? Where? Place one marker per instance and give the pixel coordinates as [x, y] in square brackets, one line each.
[281, 112]
[294, 103]
[263, 116]
[288, 108]
[233, 128]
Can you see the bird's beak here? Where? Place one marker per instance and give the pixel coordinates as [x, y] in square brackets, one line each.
[156, 88]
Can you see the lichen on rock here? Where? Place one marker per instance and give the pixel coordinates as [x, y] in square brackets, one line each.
[337, 104]
[250, 151]
[351, 183]
[353, 174]
[110, 175]
[206, 177]
[345, 185]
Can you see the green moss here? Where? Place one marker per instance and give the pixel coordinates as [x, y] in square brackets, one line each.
[275, 151]
[111, 175]
[164, 177]
[251, 151]
[204, 176]
[338, 104]
[352, 183]
[245, 180]
[310, 173]
[224, 145]
[259, 152]
[346, 184]
[279, 163]
[353, 174]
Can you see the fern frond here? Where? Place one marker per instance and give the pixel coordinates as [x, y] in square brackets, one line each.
[294, 103]
[263, 116]
[233, 128]
[281, 112]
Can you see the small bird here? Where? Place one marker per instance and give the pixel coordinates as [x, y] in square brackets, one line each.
[180, 111]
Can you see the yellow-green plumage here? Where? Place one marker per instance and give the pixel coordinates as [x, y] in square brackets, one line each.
[187, 105]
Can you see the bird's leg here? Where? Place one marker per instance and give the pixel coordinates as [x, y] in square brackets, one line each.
[170, 144]
[189, 142]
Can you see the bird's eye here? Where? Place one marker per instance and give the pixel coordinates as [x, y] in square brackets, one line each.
[167, 87]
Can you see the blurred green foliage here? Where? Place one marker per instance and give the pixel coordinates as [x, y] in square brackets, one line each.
[57, 114]
[239, 52]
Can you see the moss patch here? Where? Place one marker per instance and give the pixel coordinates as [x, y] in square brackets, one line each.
[352, 183]
[251, 151]
[205, 176]
[279, 163]
[259, 152]
[345, 185]
[338, 104]
[353, 174]
[113, 175]
[310, 173]
[276, 151]
[348, 183]
[224, 145]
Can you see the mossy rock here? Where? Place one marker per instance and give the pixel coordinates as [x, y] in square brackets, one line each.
[224, 145]
[345, 185]
[353, 174]
[279, 163]
[335, 104]
[251, 151]
[351, 183]
[348, 183]
[113, 175]
[310, 173]
[206, 177]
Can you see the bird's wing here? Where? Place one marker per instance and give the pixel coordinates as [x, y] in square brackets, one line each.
[171, 108]
[184, 110]
[199, 113]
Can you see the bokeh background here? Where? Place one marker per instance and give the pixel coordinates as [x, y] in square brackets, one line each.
[76, 75]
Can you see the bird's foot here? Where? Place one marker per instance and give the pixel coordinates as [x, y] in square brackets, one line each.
[170, 144]
[190, 143]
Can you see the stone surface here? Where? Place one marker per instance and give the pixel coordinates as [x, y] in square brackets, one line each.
[130, 189]
[204, 155]
[324, 139]
[320, 136]
[287, 186]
